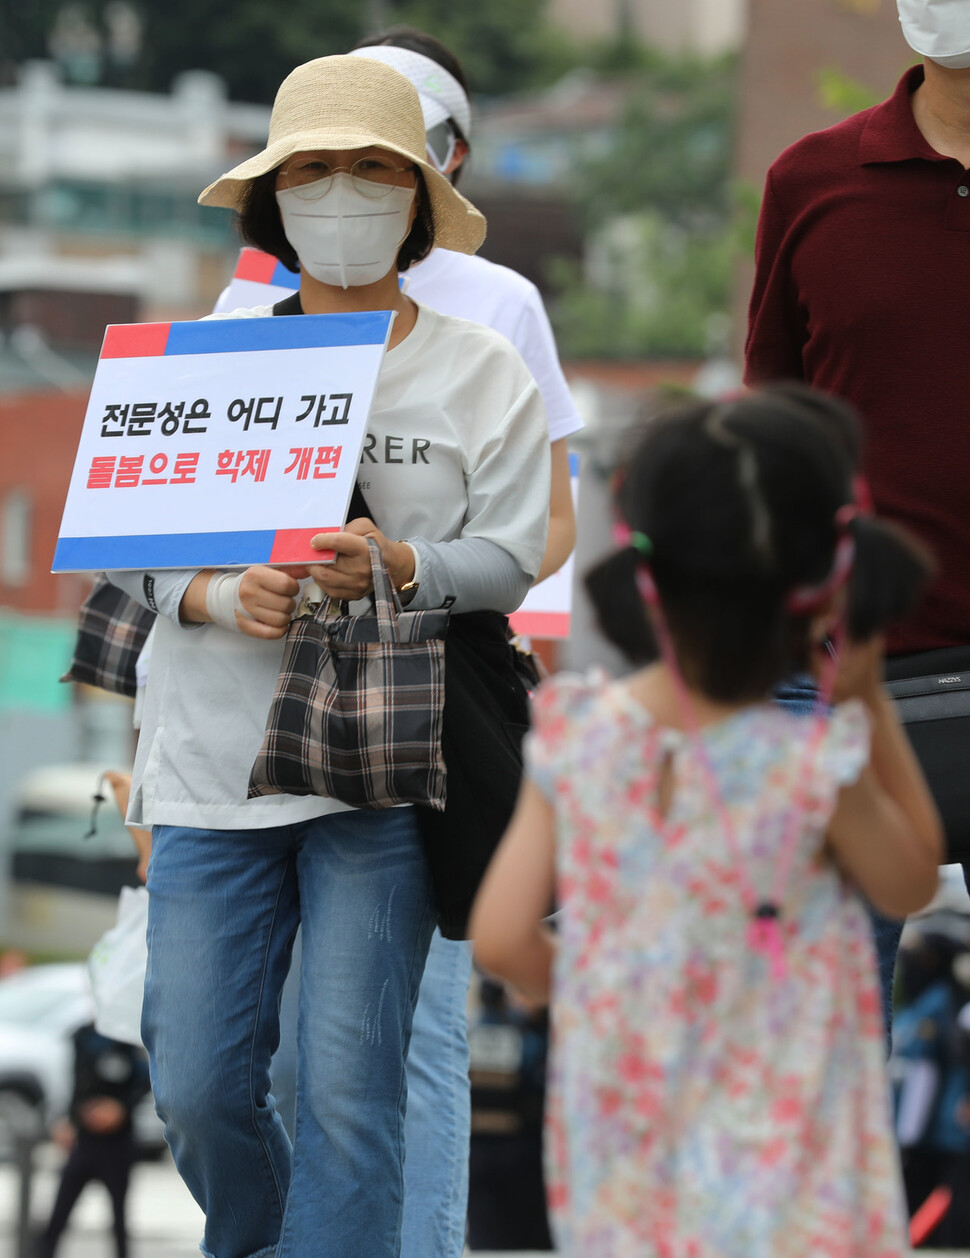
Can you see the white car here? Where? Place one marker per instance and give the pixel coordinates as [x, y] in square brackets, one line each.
[41, 1007]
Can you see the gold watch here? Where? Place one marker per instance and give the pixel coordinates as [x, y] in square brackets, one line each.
[407, 592]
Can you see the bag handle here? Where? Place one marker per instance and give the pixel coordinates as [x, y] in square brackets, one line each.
[386, 602]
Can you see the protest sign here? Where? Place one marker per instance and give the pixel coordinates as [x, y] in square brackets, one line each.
[220, 443]
[258, 280]
[547, 609]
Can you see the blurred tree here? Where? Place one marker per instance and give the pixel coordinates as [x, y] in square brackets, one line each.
[672, 151]
[666, 224]
[505, 45]
[843, 94]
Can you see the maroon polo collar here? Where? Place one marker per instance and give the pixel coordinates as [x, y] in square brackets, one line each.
[891, 134]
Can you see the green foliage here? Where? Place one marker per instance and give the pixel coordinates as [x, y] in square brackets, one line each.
[660, 290]
[253, 44]
[667, 224]
[504, 45]
[842, 94]
[672, 149]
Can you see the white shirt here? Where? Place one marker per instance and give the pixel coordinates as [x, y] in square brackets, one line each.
[470, 287]
[457, 447]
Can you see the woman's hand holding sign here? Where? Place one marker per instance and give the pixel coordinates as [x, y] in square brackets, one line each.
[348, 576]
[261, 601]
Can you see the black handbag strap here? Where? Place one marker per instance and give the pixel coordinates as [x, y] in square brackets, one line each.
[289, 305]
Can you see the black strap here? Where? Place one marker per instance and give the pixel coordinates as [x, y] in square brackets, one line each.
[358, 503]
[289, 305]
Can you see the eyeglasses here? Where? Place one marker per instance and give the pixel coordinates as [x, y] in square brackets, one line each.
[312, 178]
[440, 142]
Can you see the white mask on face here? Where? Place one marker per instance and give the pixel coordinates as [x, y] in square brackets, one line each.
[346, 238]
[938, 29]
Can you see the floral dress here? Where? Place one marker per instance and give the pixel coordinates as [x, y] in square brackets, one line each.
[698, 1106]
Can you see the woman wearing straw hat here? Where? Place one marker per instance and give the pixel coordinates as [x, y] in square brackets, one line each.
[457, 456]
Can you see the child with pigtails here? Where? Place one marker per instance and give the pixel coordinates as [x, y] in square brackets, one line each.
[718, 1083]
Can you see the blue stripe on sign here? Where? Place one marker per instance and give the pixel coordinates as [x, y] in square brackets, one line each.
[221, 336]
[573, 464]
[165, 550]
[283, 277]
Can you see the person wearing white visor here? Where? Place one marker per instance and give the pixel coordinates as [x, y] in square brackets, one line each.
[467, 286]
[456, 419]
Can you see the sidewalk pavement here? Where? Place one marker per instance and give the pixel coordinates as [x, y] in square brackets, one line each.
[164, 1221]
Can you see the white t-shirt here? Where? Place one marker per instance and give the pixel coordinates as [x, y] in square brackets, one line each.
[470, 287]
[457, 446]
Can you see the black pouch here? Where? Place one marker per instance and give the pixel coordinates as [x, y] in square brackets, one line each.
[932, 696]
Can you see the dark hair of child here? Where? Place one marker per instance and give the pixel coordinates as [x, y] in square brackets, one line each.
[413, 40]
[259, 224]
[739, 502]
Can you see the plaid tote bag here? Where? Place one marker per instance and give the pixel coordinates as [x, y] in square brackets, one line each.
[358, 708]
[111, 631]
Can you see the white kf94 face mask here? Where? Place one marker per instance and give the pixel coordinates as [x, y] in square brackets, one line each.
[938, 29]
[346, 238]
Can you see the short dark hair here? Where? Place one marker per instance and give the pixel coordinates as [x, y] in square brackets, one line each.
[261, 225]
[739, 501]
[410, 38]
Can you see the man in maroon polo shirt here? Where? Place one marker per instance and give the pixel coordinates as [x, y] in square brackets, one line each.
[862, 288]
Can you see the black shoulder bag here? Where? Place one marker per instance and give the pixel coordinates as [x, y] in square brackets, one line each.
[932, 695]
[486, 715]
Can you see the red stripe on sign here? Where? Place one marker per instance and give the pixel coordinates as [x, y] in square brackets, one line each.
[540, 624]
[135, 340]
[255, 265]
[293, 546]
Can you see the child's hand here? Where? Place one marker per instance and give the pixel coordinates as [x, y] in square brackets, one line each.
[860, 670]
[64, 1135]
[120, 784]
[102, 1115]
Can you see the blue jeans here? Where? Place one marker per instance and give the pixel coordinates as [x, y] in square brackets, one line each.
[437, 1128]
[224, 907]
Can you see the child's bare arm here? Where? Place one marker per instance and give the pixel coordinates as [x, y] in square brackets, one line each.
[885, 833]
[120, 784]
[516, 894]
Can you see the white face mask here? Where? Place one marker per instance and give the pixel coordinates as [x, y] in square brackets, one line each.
[346, 238]
[938, 29]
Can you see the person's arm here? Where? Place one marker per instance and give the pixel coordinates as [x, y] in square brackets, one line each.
[885, 833]
[562, 518]
[120, 784]
[258, 601]
[503, 536]
[533, 338]
[516, 894]
[776, 328]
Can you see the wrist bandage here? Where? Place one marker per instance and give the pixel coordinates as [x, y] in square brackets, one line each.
[222, 600]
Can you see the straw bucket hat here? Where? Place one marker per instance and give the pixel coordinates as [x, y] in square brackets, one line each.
[351, 103]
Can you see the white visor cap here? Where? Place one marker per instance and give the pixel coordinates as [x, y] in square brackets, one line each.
[442, 96]
[938, 29]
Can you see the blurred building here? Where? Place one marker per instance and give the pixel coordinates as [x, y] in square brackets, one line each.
[706, 27]
[98, 173]
[808, 63]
